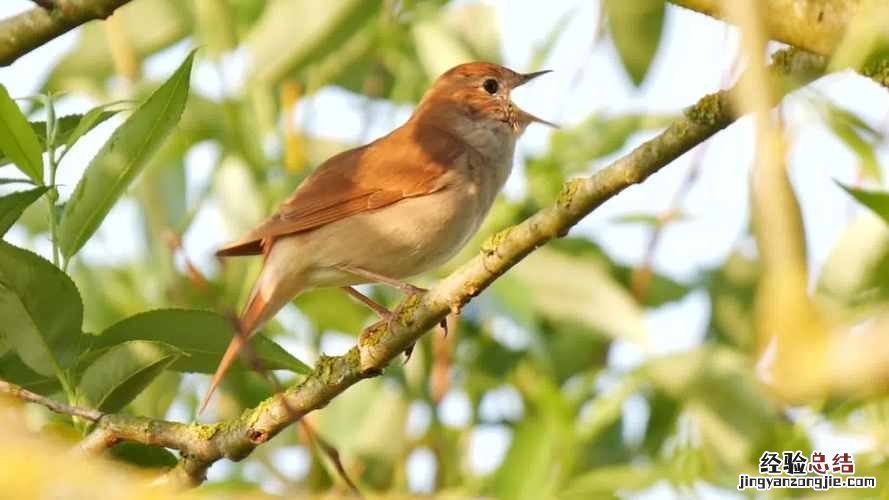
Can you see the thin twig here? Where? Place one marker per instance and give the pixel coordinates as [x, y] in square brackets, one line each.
[56, 406]
[331, 452]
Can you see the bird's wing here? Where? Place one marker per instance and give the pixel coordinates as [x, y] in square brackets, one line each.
[404, 164]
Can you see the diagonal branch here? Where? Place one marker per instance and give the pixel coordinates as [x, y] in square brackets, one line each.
[26, 395]
[202, 444]
[25, 32]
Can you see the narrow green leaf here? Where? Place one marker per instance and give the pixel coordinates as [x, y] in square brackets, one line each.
[121, 159]
[877, 201]
[202, 335]
[636, 30]
[17, 140]
[41, 310]
[13, 204]
[11, 180]
[68, 126]
[119, 374]
[858, 137]
[92, 119]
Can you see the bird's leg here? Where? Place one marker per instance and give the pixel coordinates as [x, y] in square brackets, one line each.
[405, 287]
[378, 308]
[385, 314]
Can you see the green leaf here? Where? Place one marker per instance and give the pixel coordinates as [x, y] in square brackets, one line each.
[13, 204]
[143, 455]
[121, 159]
[859, 137]
[202, 335]
[877, 201]
[119, 374]
[11, 180]
[574, 288]
[608, 480]
[82, 124]
[41, 310]
[17, 140]
[12, 369]
[331, 309]
[636, 30]
[69, 125]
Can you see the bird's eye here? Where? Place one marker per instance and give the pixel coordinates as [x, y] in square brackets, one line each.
[491, 86]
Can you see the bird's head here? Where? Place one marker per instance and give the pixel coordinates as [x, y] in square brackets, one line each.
[481, 91]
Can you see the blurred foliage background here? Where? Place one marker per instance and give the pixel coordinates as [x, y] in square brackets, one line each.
[549, 384]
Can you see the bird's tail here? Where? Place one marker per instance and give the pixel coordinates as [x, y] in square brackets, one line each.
[250, 319]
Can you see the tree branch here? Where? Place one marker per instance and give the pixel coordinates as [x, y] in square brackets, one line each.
[202, 444]
[25, 32]
[813, 25]
[26, 395]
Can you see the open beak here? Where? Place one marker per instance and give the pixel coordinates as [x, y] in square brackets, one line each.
[524, 116]
[527, 77]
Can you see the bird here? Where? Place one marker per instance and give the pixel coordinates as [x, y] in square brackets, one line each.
[391, 209]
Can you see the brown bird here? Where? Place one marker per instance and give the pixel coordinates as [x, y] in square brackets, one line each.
[397, 207]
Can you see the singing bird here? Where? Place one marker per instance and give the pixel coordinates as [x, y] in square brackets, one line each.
[397, 207]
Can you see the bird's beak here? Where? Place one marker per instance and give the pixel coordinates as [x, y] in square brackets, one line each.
[524, 117]
[527, 77]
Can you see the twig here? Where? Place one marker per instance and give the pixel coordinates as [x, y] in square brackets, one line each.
[56, 406]
[331, 452]
[25, 32]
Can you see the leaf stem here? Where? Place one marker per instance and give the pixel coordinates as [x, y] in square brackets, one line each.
[52, 195]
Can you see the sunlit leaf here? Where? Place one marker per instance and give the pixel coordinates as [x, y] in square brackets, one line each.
[610, 480]
[18, 142]
[41, 310]
[121, 159]
[570, 288]
[858, 137]
[333, 309]
[13, 204]
[636, 30]
[120, 373]
[876, 201]
[202, 335]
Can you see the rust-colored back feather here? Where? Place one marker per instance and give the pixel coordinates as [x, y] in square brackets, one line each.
[359, 180]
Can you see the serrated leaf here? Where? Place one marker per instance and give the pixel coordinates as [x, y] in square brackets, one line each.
[636, 30]
[41, 310]
[876, 201]
[18, 141]
[119, 374]
[202, 335]
[13, 204]
[122, 158]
